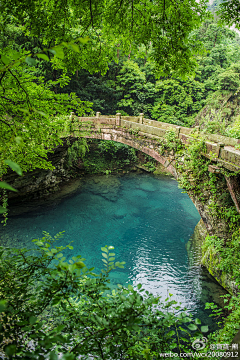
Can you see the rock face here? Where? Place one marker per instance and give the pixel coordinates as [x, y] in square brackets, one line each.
[40, 183]
[207, 257]
[194, 245]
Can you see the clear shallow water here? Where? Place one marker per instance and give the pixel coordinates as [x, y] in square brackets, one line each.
[148, 221]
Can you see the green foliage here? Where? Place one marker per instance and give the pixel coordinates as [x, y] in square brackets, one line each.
[234, 129]
[5, 186]
[194, 166]
[171, 142]
[112, 150]
[30, 127]
[51, 305]
[229, 12]
[229, 80]
[108, 260]
[77, 151]
[108, 156]
[177, 101]
[136, 93]
[150, 165]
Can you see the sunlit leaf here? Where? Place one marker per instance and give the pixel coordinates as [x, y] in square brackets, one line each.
[84, 40]
[15, 167]
[58, 52]
[204, 328]
[192, 327]
[74, 47]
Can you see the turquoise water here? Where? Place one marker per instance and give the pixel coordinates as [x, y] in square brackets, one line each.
[146, 218]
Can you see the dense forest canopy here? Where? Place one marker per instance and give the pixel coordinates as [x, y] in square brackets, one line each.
[58, 57]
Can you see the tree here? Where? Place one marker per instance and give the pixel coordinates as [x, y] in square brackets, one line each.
[29, 125]
[109, 25]
[229, 12]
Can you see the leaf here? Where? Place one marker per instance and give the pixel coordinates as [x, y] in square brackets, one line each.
[80, 265]
[19, 140]
[53, 355]
[40, 112]
[192, 327]
[3, 305]
[198, 321]
[111, 254]
[5, 185]
[111, 259]
[15, 167]
[43, 56]
[58, 52]
[204, 328]
[104, 249]
[39, 243]
[26, 111]
[16, 56]
[10, 350]
[104, 255]
[84, 40]
[110, 247]
[105, 261]
[171, 333]
[5, 60]
[74, 47]
[30, 61]
[32, 320]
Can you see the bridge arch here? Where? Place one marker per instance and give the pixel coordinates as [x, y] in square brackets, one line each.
[138, 146]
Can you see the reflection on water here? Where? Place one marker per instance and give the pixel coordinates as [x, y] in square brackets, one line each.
[148, 221]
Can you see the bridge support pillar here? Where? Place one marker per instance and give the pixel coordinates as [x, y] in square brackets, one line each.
[118, 119]
[233, 185]
[98, 114]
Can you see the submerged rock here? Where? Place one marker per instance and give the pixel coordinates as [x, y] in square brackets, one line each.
[105, 186]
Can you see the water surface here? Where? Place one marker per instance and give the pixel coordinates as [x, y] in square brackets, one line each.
[146, 218]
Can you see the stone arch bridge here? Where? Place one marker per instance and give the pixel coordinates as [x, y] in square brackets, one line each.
[146, 135]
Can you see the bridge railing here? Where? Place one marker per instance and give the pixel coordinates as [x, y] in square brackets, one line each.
[222, 147]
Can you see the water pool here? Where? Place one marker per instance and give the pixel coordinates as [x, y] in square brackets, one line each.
[146, 218]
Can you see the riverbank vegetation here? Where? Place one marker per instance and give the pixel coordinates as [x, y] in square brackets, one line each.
[170, 61]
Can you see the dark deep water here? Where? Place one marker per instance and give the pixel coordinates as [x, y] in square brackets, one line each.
[146, 218]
